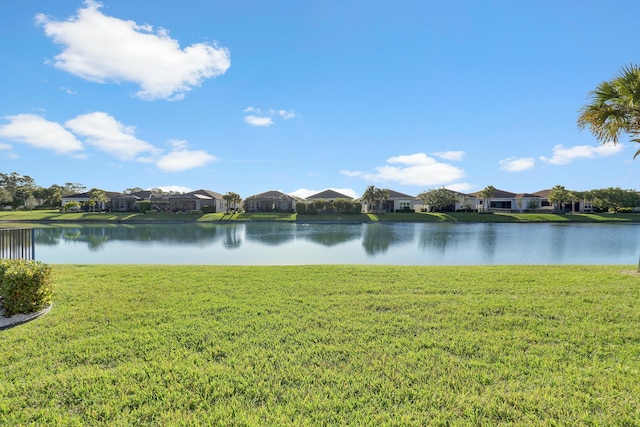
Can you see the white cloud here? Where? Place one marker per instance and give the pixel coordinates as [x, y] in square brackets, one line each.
[258, 121]
[68, 91]
[181, 158]
[414, 169]
[107, 134]
[102, 48]
[103, 132]
[7, 153]
[514, 164]
[462, 187]
[450, 155]
[352, 173]
[304, 192]
[39, 132]
[286, 114]
[260, 117]
[563, 156]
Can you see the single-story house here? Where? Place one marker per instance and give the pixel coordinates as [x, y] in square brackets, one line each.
[84, 198]
[328, 196]
[331, 201]
[125, 202]
[270, 201]
[396, 201]
[465, 202]
[189, 202]
[582, 206]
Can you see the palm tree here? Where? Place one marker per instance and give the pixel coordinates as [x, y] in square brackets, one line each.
[614, 108]
[559, 196]
[98, 198]
[487, 194]
[381, 194]
[232, 199]
[369, 195]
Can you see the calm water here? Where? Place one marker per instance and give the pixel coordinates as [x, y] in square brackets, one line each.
[299, 244]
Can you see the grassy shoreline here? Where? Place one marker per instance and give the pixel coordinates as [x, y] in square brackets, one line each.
[328, 345]
[128, 217]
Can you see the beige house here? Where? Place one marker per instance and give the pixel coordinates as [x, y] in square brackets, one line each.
[328, 196]
[395, 202]
[270, 201]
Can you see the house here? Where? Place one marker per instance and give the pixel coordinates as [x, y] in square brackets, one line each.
[510, 202]
[125, 202]
[501, 201]
[395, 202]
[583, 205]
[331, 201]
[192, 201]
[328, 196]
[270, 201]
[465, 202]
[218, 203]
[528, 202]
[85, 198]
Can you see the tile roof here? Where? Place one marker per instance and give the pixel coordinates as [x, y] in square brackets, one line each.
[329, 194]
[270, 195]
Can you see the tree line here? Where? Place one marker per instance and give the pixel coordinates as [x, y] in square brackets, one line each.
[22, 191]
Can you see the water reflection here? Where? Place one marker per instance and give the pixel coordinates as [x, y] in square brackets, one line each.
[329, 234]
[270, 233]
[439, 238]
[290, 243]
[232, 236]
[488, 240]
[379, 237]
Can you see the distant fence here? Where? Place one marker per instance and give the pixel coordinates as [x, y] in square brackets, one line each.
[17, 243]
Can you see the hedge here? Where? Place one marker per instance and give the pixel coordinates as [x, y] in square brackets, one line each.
[25, 286]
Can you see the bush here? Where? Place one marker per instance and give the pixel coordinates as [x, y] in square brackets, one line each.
[25, 286]
[145, 206]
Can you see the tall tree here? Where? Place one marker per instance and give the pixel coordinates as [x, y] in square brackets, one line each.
[369, 195]
[20, 187]
[232, 199]
[486, 194]
[70, 188]
[133, 190]
[439, 199]
[559, 196]
[614, 199]
[381, 195]
[614, 108]
[98, 198]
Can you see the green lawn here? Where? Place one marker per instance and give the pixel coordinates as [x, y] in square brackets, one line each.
[54, 215]
[328, 345]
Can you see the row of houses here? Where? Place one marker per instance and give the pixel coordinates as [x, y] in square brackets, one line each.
[276, 201]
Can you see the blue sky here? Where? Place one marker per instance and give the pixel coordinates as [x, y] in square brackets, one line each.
[300, 96]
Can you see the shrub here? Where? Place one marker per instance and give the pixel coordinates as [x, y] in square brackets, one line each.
[301, 207]
[25, 286]
[145, 206]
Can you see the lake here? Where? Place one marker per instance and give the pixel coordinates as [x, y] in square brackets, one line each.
[300, 244]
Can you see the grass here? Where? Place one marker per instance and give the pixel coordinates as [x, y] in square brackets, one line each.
[56, 216]
[328, 345]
